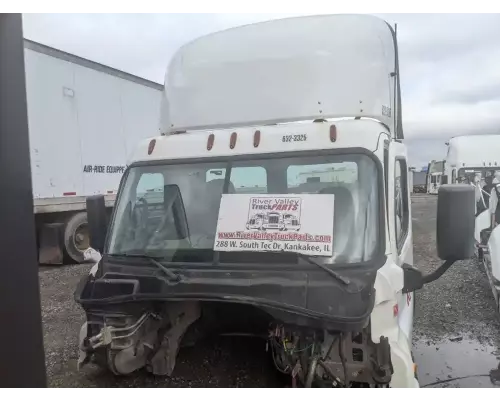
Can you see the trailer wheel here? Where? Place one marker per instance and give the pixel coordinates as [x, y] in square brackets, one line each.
[76, 237]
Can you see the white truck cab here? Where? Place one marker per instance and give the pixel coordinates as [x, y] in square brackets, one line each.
[266, 105]
[471, 154]
[435, 172]
[474, 160]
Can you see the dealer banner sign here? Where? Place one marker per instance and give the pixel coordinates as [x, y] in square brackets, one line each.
[299, 223]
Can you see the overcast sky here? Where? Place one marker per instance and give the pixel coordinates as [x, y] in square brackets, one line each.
[450, 70]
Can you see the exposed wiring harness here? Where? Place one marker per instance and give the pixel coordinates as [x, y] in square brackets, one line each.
[278, 343]
[315, 360]
[279, 347]
[275, 347]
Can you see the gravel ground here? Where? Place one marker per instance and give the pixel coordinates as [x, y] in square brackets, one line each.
[460, 303]
[455, 331]
[221, 362]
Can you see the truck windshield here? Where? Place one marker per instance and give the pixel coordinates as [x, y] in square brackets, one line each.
[476, 175]
[145, 220]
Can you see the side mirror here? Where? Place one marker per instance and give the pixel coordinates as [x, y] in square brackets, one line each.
[455, 222]
[97, 220]
[444, 179]
[454, 236]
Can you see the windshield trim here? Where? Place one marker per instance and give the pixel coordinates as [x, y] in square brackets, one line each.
[180, 266]
[379, 256]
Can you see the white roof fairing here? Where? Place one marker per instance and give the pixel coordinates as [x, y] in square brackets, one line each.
[474, 151]
[284, 70]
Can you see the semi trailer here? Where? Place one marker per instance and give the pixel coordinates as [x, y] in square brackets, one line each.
[84, 120]
[418, 183]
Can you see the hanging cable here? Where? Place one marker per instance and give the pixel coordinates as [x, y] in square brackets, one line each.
[455, 379]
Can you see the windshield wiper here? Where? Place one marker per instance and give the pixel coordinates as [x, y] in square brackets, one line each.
[153, 261]
[166, 271]
[310, 260]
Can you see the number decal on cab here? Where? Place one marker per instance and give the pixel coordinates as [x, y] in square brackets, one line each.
[294, 138]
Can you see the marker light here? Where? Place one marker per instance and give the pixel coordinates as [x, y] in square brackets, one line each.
[151, 146]
[210, 141]
[333, 133]
[232, 141]
[256, 139]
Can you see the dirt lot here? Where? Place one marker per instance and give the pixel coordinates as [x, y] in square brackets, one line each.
[457, 331]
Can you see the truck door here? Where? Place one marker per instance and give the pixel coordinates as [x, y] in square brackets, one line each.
[400, 226]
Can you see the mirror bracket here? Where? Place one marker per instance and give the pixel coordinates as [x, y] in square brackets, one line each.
[414, 279]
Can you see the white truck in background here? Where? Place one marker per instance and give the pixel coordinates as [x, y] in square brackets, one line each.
[434, 179]
[84, 120]
[470, 155]
[475, 160]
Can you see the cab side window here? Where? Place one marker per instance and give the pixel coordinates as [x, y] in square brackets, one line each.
[401, 207]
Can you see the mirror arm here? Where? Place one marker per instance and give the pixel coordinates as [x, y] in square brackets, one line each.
[438, 272]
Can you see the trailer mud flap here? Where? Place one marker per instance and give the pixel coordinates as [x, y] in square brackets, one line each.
[51, 244]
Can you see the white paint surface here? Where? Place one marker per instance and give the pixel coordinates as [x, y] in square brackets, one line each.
[79, 116]
[284, 70]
